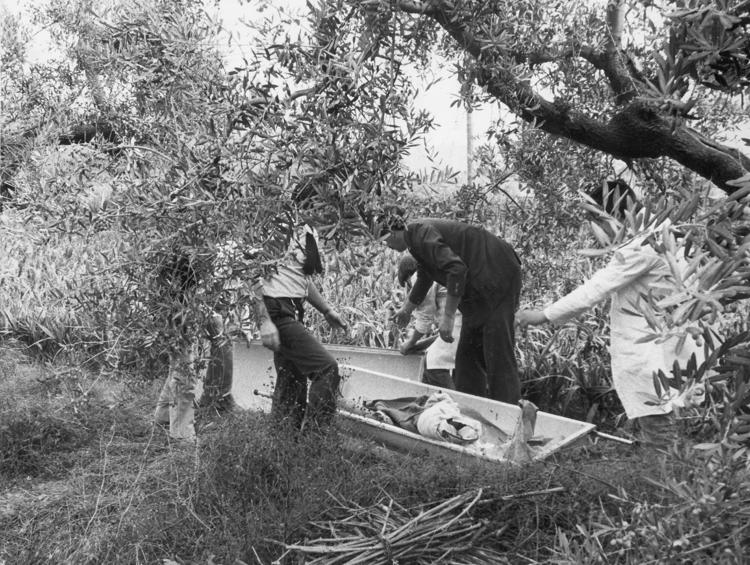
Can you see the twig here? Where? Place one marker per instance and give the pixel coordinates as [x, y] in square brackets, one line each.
[533, 493]
[523, 495]
[613, 438]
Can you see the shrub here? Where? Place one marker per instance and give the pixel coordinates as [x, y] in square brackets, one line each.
[700, 514]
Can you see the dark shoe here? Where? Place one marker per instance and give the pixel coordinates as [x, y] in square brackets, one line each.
[226, 404]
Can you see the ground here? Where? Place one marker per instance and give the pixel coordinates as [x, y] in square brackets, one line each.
[86, 478]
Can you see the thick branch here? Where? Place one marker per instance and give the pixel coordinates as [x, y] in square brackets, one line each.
[615, 64]
[83, 133]
[636, 131]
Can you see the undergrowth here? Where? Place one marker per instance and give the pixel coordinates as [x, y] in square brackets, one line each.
[117, 490]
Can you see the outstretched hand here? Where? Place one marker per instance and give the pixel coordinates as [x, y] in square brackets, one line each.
[335, 320]
[526, 318]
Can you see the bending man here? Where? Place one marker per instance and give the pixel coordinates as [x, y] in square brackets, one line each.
[482, 274]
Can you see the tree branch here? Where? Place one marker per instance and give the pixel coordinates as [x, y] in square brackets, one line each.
[615, 64]
[637, 130]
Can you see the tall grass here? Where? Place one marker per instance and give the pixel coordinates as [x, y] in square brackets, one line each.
[121, 492]
[43, 275]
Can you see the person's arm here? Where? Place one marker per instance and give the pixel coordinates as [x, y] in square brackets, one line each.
[435, 252]
[442, 258]
[424, 316]
[625, 267]
[415, 300]
[269, 333]
[448, 319]
[314, 297]
[406, 346]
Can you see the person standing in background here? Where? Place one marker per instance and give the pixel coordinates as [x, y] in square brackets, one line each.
[440, 356]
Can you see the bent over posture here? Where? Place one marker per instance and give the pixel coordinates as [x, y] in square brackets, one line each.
[440, 356]
[482, 274]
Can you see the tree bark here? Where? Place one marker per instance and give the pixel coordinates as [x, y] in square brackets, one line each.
[84, 133]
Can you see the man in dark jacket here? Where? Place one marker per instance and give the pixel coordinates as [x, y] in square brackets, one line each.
[483, 276]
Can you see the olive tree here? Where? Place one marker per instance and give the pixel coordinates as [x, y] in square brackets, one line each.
[632, 79]
[198, 155]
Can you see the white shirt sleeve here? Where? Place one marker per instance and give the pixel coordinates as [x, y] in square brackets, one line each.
[626, 266]
[424, 315]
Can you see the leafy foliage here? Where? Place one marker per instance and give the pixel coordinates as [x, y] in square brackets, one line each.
[619, 77]
[704, 522]
[198, 156]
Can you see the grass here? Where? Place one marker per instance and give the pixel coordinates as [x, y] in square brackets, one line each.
[87, 479]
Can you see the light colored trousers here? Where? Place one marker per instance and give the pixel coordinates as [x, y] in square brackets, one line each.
[176, 403]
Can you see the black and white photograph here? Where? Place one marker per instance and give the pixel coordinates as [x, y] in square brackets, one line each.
[374, 282]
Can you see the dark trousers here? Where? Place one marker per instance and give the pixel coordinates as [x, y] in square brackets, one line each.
[438, 377]
[217, 385]
[485, 357]
[300, 358]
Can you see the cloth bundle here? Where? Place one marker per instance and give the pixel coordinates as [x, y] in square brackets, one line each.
[436, 416]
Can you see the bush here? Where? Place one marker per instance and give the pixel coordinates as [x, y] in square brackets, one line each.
[700, 514]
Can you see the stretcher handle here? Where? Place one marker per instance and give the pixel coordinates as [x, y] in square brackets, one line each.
[602, 435]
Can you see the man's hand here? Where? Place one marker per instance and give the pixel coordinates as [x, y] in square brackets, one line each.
[335, 320]
[526, 318]
[405, 346]
[269, 335]
[401, 317]
[445, 327]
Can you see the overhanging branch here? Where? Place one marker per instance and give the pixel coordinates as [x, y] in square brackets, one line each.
[635, 131]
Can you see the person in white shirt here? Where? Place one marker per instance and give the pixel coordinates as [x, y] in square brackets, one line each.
[298, 356]
[440, 356]
[634, 270]
[175, 407]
